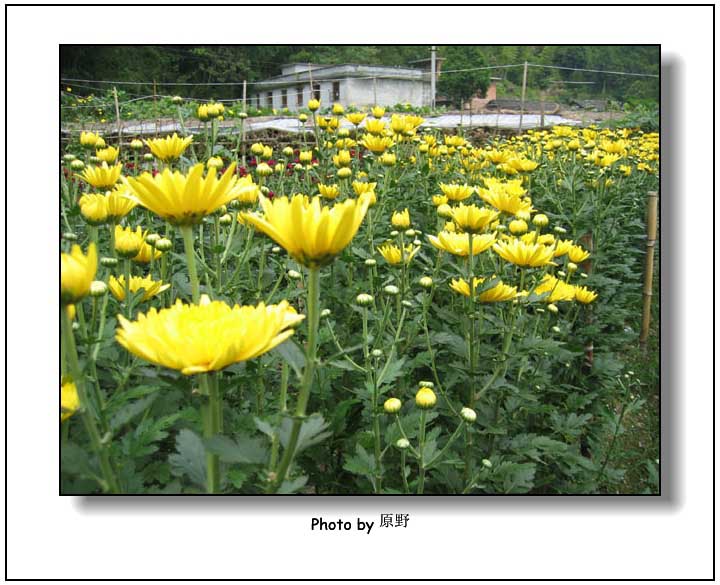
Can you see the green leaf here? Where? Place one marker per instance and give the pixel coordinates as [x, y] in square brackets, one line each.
[189, 460]
[392, 371]
[75, 460]
[291, 486]
[312, 432]
[127, 413]
[517, 478]
[362, 463]
[244, 449]
[293, 355]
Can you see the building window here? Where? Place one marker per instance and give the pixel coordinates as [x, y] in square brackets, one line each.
[283, 98]
[316, 91]
[299, 96]
[336, 91]
[269, 99]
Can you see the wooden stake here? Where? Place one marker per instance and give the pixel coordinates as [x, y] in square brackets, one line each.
[522, 97]
[652, 209]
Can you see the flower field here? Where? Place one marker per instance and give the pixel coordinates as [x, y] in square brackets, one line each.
[378, 308]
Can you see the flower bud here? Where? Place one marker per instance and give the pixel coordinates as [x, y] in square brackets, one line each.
[426, 282]
[344, 173]
[152, 239]
[572, 267]
[394, 233]
[338, 109]
[556, 329]
[561, 274]
[264, 170]
[518, 226]
[136, 144]
[402, 443]
[303, 118]
[98, 288]
[426, 384]
[163, 244]
[370, 262]
[559, 230]
[364, 299]
[225, 219]
[552, 308]
[108, 262]
[524, 215]
[325, 313]
[94, 159]
[444, 211]
[148, 156]
[487, 463]
[376, 353]
[391, 290]
[541, 220]
[70, 236]
[77, 164]
[407, 304]
[313, 105]
[275, 249]
[468, 415]
[215, 162]
[294, 275]
[583, 275]
[501, 228]
[176, 99]
[69, 157]
[242, 115]
[410, 233]
[425, 398]
[287, 151]
[392, 405]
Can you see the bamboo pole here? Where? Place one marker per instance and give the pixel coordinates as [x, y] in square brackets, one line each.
[522, 97]
[117, 115]
[652, 210]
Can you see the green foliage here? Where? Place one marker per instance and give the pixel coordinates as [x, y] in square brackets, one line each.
[460, 85]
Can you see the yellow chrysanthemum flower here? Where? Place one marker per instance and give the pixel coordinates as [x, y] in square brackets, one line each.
[458, 244]
[473, 219]
[361, 187]
[584, 295]
[577, 254]
[456, 192]
[206, 337]
[506, 196]
[151, 287]
[69, 400]
[170, 148]
[377, 144]
[394, 255]
[378, 112]
[526, 255]
[118, 203]
[438, 200]
[102, 177]
[342, 159]
[146, 253]
[93, 208]
[88, 139]
[401, 219]
[375, 127]
[355, 118]
[246, 191]
[499, 293]
[77, 271]
[558, 290]
[329, 191]
[128, 241]
[108, 155]
[184, 199]
[562, 247]
[313, 234]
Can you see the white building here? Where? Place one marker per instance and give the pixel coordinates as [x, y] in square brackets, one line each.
[359, 85]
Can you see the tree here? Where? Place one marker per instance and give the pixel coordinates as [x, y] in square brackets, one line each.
[465, 83]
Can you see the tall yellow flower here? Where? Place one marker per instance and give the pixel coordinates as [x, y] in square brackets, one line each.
[101, 177]
[361, 187]
[184, 199]
[562, 247]
[506, 196]
[473, 219]
[151, 287]
[584, 295]
[355, 118]
[127, 241]
[88, 139]
[557, 290]
[526, 255]
[146, 253]
[329, 191]
[375, 127]
[394, 255]
[496, 294]
[313, 234]
[69, 400]
[342, 158]
[378, 112]
[456, 192]
[108, 155]
[577, 254]
[206, 337]
[118, 203]
[77, 271]
[458, 244]
[93, 208]
[170, 148]
[377, 144]
[246, 191]
[401, 219]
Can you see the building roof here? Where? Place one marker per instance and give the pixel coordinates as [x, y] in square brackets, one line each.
[295, 73]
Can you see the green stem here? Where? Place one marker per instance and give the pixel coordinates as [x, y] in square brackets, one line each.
[421, 462]
[110, 482]
[187, 235]
[313, 310]
[211, 427]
